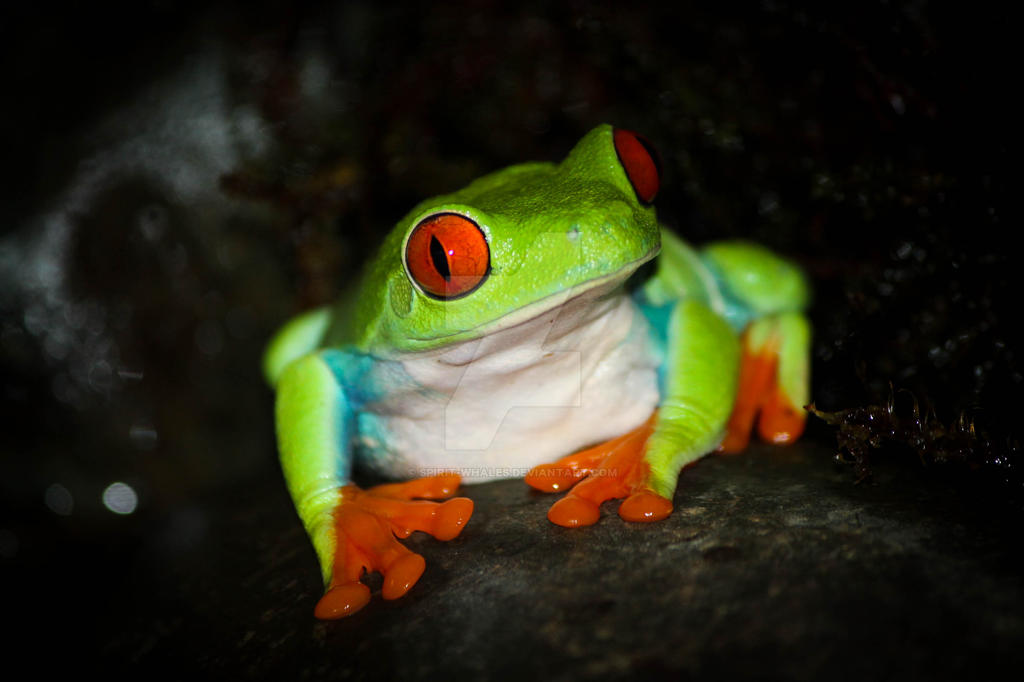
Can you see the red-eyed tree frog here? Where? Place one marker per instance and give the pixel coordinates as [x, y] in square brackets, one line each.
[500, 332]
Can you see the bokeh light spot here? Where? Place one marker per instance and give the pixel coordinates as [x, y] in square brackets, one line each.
[59, 500]
[120, 498]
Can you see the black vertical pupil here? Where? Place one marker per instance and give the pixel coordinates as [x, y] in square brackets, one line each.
[440, 258]
[651, 152]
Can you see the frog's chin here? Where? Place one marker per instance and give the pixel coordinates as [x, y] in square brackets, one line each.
[591, 290]
[579, 294]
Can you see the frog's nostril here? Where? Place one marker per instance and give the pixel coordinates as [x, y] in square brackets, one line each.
[574, 233]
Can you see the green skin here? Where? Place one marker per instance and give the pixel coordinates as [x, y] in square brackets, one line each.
[696, 302]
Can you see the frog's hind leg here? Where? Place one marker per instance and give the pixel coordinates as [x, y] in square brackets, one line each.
[773, 383]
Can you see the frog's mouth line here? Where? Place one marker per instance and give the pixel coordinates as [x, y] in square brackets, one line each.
[544, 305]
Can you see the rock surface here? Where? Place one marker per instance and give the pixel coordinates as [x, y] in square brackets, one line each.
[774, 565]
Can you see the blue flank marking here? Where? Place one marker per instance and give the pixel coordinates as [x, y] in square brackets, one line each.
[657, 318]
[351, 371]
[363, 380]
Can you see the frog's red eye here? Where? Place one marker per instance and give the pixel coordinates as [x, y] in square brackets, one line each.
[447, 255]
[640, 162]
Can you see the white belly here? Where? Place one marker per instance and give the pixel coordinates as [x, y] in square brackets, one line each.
[497, 406]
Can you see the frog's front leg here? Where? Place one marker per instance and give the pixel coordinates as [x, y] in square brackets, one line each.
[699, 388]
[352, 530]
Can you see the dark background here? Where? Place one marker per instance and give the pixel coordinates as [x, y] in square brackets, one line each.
[180, 179]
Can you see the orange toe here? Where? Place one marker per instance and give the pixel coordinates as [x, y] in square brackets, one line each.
[645, 506]
[342, 600]
[574, 512]
[402, 575]
[780, 421]
[451, 518]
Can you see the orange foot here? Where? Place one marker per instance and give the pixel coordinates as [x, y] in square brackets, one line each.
[760, 397]
[366, 523]
[612, 470]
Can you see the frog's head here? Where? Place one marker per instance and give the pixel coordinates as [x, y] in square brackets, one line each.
[514, 244]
